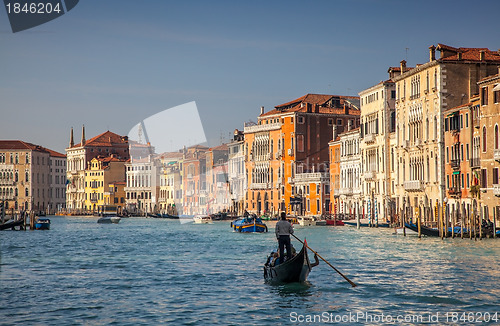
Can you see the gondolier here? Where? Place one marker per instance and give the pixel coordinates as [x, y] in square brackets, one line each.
[283, 231]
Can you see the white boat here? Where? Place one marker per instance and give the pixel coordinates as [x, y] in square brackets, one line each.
[109, 219]
[202, 219]
[306, 221]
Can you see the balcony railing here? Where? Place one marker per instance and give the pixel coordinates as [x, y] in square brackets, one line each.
[4, 182]
[496, 190]
[413, 185]
[369, 138]
[455, 164]
[370, 175]
[311, 177]
[345, 191]
[475, 162]
[262, 127]
[260, 186]
[455, 192]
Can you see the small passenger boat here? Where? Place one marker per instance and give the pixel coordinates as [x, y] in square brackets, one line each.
[250, 223]
[306, 221]
[294, 270]
[42, 224]
[202, 219]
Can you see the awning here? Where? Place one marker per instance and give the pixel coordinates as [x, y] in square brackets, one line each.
[496, 88]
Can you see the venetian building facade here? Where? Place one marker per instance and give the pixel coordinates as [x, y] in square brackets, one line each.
[78, 158]
[143, 184]
[237, 172]
[102, 171]
[334, 171]
[378, 125]
[458, 140]
[25, 176]
[291, 144]
[217, 184]
[351, 200]
[422, 95]
[57, 190]
[489, 125]
[194, 183]
[170, 194]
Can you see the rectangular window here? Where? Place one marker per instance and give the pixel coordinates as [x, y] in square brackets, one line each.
[448, 182]
[393, 94]
[496, 95]
[461, 121]
[468, 181]
[462, 151]
[484, 180]
[495, 176]
[300, 143]
[339, 122]
[484, 96]
[466, 120]
[467, 148]
[447, 155]
[446, 124]
[330, 121]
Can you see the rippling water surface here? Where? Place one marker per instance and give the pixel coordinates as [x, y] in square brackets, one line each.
[152, 271]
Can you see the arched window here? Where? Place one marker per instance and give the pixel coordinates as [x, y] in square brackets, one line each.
[484, 139]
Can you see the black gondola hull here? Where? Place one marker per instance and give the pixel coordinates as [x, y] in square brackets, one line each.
[295, 270]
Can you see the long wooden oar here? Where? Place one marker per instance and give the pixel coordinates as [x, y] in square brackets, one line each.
[345, 277]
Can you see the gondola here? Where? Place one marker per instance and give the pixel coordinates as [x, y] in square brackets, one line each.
[430, 232]
[11, 224]
[170, 216]
[294, 270]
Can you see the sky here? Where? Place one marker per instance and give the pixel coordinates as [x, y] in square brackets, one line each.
[108, 64]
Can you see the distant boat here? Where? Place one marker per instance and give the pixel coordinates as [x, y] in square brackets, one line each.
[249, 224]
[306, 221]
[202, 219]
[366, 224]
[170, 216]
[42, 224]
[294, 270]
[109, 219]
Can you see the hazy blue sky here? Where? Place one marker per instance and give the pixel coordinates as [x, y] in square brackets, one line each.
[110, 63]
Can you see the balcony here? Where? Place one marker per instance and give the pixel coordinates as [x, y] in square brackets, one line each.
[455, 192]
[413, 185]
[311, 177]
[336, 192]
[496, 155]
[475, 162]
[496, 190]
[369, 138]
[263, 127]
[345, 191]
[290, 152]
[370, 175]
[93, 200]
[260, 185]
[455, 164]
[7, 182]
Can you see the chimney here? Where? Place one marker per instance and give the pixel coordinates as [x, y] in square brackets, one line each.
[334, 136]
[432, 53]
[308, 107]
[83, 135]
[316, 108]
[261, 110]
[403, 66]
[459, 55]
[71, 139]
[482, 55]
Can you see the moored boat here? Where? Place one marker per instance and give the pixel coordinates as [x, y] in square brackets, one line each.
[294, 270]
[110, 219]
[11, 224]
[249, 224]
[202, 219]
[306, 221]
[42, 224]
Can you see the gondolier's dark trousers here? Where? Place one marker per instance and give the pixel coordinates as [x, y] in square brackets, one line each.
[284, 240]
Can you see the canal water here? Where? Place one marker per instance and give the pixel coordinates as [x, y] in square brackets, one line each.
[153, 271]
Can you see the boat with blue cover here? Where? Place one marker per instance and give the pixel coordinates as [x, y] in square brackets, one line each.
[251, 223]
[42, 223]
